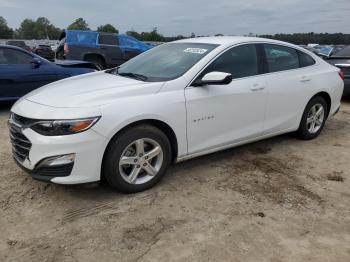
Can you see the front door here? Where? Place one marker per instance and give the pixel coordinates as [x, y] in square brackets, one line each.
[220, 115]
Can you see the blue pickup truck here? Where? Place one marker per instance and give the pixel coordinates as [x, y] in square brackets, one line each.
[104, 50]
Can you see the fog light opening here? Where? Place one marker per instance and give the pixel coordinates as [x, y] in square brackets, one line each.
[58, 160]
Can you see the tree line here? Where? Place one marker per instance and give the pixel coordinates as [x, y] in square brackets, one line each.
[42, 28]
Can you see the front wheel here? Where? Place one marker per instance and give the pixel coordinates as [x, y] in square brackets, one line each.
[314, 119]
[137, 159]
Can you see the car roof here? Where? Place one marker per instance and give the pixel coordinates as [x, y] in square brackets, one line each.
[12, 47]
[20, 49]
[227, 40]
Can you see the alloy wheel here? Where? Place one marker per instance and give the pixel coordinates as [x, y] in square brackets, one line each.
[141, 161]
[315, 118]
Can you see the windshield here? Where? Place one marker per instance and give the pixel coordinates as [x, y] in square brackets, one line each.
[164, 62]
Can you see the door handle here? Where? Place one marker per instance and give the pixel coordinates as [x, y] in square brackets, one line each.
[257, 87]
[305, 79]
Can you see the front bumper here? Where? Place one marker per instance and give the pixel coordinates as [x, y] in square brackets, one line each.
[46, 173]
[87, 146]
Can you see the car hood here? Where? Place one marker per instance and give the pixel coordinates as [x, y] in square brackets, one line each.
[89, 90]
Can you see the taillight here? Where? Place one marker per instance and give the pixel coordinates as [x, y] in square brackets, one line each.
[66, 49]
[341, 74]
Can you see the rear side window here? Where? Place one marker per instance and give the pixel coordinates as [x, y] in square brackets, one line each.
[281, 58]
[107, 40]
[240, 61]
[129, 42]
[305, 60]
[11, 56]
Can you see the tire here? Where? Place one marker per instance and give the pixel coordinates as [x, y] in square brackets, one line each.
[97, 61]
[305, 131]
[122, 161]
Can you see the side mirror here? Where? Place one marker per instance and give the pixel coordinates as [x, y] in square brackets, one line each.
[215, 78]
[36, 63]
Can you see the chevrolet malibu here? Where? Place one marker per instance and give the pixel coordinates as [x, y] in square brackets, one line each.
[174, 102]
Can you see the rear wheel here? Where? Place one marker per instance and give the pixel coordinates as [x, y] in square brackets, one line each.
[97, 61]
[137, 159]
[314, 118]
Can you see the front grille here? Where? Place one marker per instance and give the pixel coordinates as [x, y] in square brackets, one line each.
[20, 143]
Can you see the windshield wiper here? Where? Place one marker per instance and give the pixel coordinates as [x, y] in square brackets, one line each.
[134, 75]
[113, 70]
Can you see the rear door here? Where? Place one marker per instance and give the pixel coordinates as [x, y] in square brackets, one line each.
[109, 46]
[288, 82]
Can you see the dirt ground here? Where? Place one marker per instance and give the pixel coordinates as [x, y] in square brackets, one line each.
[277, 200]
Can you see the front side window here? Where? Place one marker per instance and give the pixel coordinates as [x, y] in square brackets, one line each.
[281, 58]
[11, 56]
[164, 62]
[240, 61]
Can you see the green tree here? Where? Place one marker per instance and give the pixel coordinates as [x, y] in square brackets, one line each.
[107, 28]
[135, 34]
[152, 36]
[27, 29]
[39, 29]
[79, 24]
[5, 31]
[44, 29]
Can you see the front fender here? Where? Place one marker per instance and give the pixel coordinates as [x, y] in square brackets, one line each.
[167, 107]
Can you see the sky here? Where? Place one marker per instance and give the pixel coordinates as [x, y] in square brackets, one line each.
[203, 17]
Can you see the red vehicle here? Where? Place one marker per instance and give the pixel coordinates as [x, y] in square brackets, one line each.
[44, 51]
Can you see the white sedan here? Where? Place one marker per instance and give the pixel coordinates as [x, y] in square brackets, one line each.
[174, 102]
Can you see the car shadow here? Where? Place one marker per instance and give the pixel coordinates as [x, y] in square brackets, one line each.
[100, 191]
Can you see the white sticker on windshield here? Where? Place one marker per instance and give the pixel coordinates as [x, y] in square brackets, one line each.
[200, 51]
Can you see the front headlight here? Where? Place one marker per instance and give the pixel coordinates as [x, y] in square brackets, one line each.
[63, 127]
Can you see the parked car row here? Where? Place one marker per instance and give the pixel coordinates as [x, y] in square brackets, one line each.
[106, 50]
[23, 69]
